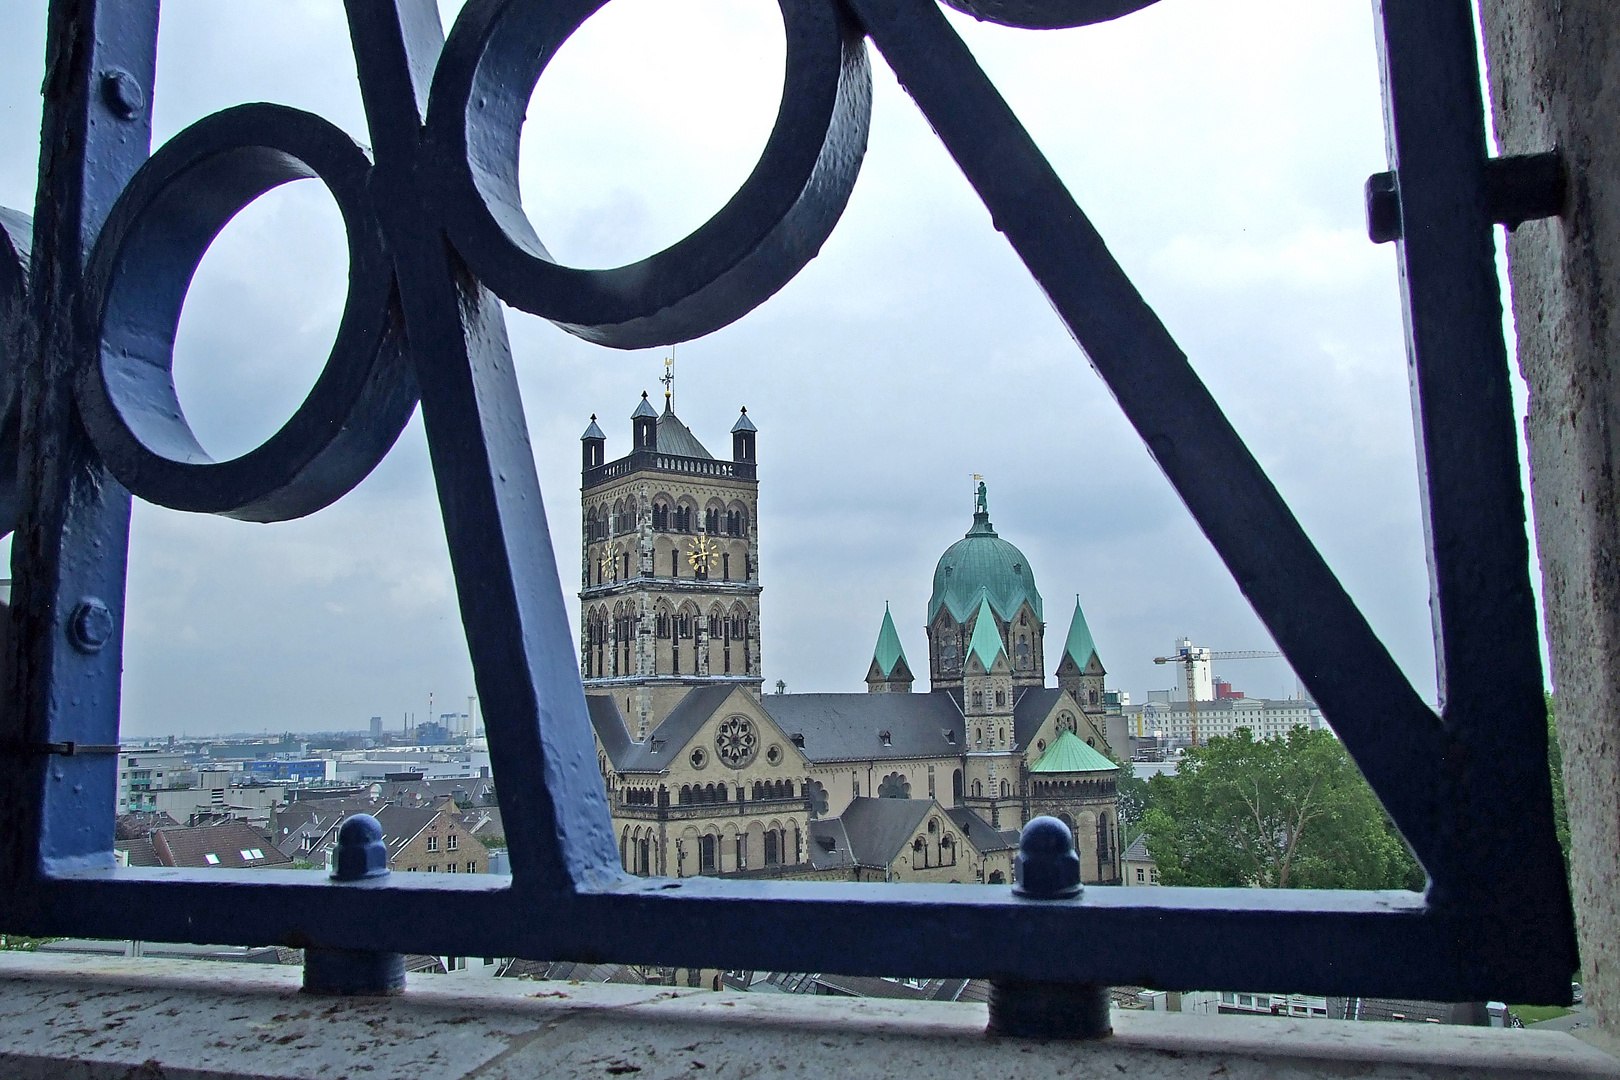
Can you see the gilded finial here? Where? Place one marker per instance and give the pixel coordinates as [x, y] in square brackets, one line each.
[668, 378]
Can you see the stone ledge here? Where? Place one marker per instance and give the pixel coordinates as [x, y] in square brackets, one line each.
[88, 1018]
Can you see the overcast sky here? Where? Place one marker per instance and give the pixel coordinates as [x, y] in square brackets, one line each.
[1220, 149]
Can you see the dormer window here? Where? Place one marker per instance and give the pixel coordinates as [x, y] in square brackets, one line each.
[883, 737]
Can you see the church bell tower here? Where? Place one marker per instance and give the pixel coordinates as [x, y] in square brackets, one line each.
[669, 596]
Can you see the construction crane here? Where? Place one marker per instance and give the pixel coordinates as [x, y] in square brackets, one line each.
[1189, 654]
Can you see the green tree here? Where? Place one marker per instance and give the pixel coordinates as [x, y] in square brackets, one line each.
[1275, 813]
[1133, 803]
[1555, 765]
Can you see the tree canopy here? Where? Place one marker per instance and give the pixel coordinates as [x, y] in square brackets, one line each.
[1280, 813]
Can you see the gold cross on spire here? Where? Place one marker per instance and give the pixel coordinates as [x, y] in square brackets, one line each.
[668, 378]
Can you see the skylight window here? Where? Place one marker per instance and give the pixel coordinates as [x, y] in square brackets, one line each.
[211, 859]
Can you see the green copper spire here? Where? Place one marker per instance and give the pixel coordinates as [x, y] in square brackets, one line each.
[1080, 648]
[889, 651]
[986, 643]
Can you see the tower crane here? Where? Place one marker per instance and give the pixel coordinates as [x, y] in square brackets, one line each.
[1189, 654]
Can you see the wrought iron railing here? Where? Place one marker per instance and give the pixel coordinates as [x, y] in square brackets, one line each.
[437, 237]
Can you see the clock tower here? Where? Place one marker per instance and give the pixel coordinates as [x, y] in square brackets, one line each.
[669, 596]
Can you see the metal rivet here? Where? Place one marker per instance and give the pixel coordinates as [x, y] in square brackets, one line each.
[122, 93]
[1047, 867]
[90, 626]
[360, 850]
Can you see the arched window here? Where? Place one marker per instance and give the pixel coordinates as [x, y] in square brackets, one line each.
[1022, 652]
[1094, 697]
[660, 516]
[978, 789]
[919, 853]
[956, 785]
[978, 699]
[711, 520]
[1005, 790]
[997, 878]
[1001, 697]
[894, 786]
[706, 854]
[947, 851]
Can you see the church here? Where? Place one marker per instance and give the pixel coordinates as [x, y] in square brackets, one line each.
[706, 774]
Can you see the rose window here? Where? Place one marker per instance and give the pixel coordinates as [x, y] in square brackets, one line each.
[736, 741]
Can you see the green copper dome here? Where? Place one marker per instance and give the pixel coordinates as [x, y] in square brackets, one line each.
[982, 562]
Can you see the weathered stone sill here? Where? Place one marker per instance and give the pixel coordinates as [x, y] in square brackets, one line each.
[85, 1018]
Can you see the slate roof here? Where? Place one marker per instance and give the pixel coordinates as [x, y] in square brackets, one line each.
[593, 432]
[311, 817]
[675, 437]
[879, 829]
[225, 842]
[610, 727]
[1032, 707]
[644, 408]
[889, 651]
[483, 822]
[984, 837]
[1068, 754]
[743, 423]
[850, 727]
[829, 846]
[667, 740]
[1138, 851]
[400, 823]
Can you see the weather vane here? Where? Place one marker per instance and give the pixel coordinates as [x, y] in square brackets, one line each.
[668, 378]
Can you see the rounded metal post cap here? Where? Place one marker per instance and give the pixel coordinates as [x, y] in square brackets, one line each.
[361, 852]
[1047, 867]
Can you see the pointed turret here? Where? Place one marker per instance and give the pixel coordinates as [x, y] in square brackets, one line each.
[593, 445]
[889, 673]
[644, 425]
[1080, 670]
[742, 437]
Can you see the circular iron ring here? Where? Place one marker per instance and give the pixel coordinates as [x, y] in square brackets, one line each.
[773, 225]
[1047, 14]
[139, 273]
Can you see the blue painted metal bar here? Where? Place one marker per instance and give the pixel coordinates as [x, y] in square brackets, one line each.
[552, 800]
[440, 202]
[72, 535]
[1486, 651]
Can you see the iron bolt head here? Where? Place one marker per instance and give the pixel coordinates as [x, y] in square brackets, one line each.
[360, 850]
[1383, 208]
[90, 626]
[122, 93]
[1047, 867]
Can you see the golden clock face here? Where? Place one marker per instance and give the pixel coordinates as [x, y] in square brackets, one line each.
[702, 553]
